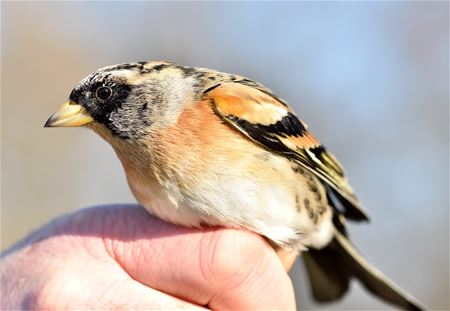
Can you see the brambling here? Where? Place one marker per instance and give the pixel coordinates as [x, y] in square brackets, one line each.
[201, 147]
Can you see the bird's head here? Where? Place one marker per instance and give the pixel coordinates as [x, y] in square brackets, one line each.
[125, 102]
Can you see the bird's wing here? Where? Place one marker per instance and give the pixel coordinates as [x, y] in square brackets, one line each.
[267, 120]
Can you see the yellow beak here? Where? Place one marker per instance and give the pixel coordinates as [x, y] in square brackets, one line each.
[70, 114]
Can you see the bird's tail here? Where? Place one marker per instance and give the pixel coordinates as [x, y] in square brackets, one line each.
[331, 269]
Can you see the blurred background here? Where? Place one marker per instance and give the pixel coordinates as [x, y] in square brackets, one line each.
[370, 78]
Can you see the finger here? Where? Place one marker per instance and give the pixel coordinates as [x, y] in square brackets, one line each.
[221, 268]
[132, 295]
[247, 273]
[287, 257]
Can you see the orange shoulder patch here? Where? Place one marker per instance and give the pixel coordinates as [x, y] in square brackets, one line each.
[250, 104]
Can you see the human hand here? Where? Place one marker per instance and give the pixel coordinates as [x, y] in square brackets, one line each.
[120, 257]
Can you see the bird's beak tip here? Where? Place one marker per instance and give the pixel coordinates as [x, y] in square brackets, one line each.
[48, 123]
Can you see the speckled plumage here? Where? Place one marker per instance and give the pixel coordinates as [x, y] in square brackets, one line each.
[204, 147]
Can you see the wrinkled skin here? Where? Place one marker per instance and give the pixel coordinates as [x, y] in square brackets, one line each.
[119, 257]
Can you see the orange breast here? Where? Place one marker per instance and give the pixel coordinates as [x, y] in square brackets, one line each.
[198, 144]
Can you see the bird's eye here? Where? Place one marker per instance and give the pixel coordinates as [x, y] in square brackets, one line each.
[103, 92]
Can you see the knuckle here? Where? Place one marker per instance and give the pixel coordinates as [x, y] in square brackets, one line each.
[42, 297]
[234, 255]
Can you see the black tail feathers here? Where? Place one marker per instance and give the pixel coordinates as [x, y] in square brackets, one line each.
[331, 269]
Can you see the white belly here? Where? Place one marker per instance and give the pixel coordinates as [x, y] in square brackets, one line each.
[264, 202]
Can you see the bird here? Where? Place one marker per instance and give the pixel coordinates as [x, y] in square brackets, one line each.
[205, 148]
